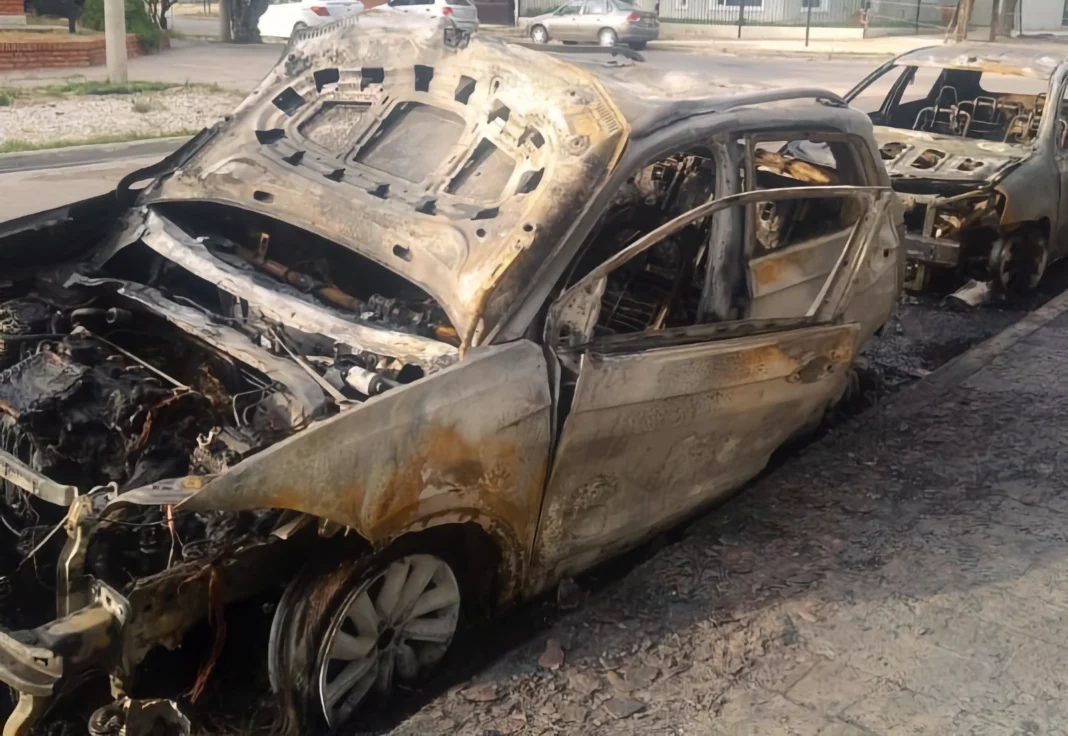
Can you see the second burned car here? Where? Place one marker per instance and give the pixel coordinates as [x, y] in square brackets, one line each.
[425, 326]
[975, 138]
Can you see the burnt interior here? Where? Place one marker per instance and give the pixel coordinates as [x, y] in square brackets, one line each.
[661, 288]
[958, 105]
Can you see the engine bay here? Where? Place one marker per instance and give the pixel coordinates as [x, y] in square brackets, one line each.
[132, 369]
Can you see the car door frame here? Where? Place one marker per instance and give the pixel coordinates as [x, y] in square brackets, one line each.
[565, 27]
[1058, 93]
[589, 24]
[822, 348]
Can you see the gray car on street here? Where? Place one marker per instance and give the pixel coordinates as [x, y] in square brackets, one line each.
[608, 22]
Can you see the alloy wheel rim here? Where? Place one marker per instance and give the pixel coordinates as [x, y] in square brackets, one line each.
[392, 626]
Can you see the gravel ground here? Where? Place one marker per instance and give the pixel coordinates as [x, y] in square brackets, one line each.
[174, 111]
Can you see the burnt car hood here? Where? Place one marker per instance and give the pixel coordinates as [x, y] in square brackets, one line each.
[445, 159]
[909, 154]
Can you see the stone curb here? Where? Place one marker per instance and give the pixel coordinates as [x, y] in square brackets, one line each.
[947, 377]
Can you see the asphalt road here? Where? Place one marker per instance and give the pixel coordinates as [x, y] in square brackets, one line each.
[203, 27]
[25, 192]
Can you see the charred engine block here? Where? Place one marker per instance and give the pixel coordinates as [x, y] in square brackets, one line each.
[85, 416]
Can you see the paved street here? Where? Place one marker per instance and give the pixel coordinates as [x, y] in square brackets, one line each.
[26, 192]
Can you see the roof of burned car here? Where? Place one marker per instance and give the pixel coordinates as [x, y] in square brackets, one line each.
[651, 98]
[1022, 61]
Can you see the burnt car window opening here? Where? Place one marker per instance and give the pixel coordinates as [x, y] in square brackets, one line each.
[802, 162]
[662, 287]
[789, 247]
[967, 103]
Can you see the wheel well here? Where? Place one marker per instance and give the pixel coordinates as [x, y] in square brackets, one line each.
[606, 28]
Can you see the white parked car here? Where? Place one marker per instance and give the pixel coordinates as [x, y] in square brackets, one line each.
[283, 17]
[463, 12]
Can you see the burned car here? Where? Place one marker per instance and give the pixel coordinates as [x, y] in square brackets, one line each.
[426, 325]
[975, 140]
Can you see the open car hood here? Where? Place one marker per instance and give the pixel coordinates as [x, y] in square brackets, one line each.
[453, 162]
[918, 155]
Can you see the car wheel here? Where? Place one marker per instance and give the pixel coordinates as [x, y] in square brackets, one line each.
[299, 26]
[637, 45]
[538, 34]
[607, 37]
[346, 636]
[1020, 263]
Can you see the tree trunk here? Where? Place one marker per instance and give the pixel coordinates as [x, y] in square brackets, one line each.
[963, 16]
[225, 31]
[244, 19]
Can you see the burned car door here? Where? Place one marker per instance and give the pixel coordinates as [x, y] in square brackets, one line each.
[663, 419]
[1059, 90]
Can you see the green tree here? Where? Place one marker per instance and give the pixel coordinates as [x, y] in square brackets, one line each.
[138, 21]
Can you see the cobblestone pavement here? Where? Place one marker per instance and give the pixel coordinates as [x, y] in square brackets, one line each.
[907, 574]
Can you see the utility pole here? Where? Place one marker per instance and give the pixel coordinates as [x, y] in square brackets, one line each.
[226, 32]
[115, 40]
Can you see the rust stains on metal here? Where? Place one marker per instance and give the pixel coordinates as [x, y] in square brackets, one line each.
[446, 462]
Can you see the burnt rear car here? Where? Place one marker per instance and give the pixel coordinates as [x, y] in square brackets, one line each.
[974, 138]
[428, 324]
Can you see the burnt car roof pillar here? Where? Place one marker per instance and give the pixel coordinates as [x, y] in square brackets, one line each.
[724, 271]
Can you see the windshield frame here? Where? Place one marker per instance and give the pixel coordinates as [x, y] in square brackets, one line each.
[906, 69]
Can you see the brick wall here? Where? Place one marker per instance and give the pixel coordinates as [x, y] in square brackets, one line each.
[11, 13]
[40, 54]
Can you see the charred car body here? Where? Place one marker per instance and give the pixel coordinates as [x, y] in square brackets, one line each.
[974, 138]
[451, 318]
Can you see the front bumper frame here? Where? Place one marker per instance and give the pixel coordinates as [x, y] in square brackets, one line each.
[101, 629]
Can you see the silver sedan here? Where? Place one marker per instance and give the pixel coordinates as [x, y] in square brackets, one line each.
[608, 22]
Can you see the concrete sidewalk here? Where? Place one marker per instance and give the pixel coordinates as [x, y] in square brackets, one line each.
[908, 574]
[232, 66]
